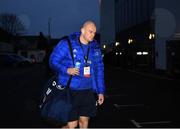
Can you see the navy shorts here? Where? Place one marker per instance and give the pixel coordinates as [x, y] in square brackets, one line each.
[84, 104]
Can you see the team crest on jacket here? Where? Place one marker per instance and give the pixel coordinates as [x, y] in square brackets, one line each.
[96, 53]
[74, 50]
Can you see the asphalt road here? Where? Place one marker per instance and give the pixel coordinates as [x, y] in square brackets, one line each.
[132, 99]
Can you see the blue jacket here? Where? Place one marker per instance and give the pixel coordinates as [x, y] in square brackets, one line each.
[60, 60]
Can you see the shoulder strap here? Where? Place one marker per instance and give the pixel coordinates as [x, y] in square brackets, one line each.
[70, 48]
[71, 52]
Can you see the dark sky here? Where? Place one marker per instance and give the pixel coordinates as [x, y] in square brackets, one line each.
[66, 16]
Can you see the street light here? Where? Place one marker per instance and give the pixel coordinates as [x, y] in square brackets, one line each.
[117, 44]
[151, 36]
[49, 28]
[130, 41]
[104, 46]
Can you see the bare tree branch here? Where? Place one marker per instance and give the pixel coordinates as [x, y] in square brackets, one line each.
[12, 24]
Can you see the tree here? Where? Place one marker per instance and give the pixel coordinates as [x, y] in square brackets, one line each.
[12, 24]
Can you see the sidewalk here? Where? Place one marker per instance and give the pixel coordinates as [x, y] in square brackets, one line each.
[156, 73]
[163, 74]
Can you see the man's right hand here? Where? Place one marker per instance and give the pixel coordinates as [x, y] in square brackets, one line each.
[73, 71]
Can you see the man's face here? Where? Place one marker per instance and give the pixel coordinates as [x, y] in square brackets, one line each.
[88, 32]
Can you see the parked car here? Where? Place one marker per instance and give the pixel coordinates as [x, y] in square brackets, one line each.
[14, 60]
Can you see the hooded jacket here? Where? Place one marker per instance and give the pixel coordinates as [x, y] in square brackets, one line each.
[60, 60]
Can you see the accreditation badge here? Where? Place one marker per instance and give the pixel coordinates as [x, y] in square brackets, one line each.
[87, 71]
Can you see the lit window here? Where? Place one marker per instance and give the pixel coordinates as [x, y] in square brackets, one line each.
[117, 43]
[138, 53]
[145, 53]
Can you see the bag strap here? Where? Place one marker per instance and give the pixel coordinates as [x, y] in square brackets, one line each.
[71, 52]
[70, 48]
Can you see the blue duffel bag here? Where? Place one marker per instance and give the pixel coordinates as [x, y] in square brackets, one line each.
[56, 102]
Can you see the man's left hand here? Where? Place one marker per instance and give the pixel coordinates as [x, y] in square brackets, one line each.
[100, 99]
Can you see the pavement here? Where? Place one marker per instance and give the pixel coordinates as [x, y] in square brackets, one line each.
[140, 98]
[155, 73]
[134, 99]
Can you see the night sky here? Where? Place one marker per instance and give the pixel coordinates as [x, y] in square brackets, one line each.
[66, 16]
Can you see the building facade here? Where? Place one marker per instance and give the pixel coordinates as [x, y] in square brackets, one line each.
[143, 29]
[134, 21]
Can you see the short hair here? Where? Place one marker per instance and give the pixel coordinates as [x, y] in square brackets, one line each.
[88, 22]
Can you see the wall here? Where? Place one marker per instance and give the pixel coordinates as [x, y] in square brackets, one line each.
[167, 23]
[107, 22]
[6, 47]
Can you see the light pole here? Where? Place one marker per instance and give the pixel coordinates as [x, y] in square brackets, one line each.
[49, 29]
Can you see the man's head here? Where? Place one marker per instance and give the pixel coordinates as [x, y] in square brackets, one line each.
[88, 32]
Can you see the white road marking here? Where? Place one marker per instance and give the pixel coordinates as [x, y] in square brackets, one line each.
[140, 124]
[156, 122]
[132, 105]
[136, 123]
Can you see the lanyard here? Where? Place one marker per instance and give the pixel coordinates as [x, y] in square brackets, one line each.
[86, 56]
